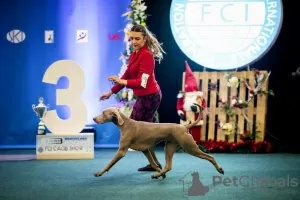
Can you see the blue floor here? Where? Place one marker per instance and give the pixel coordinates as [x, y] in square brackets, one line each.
[73, 179]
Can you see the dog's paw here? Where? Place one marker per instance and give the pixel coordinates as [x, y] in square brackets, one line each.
[97, 174]
[154, 177]
[221, 171]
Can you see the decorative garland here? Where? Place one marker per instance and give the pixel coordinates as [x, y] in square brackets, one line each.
[135, 15]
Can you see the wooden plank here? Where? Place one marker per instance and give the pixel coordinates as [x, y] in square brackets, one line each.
[242, 96]
[204, 77]
[223, 90]
[250, 110]
[232, 120]
[261, 115]
[212, 107]
[196, 74]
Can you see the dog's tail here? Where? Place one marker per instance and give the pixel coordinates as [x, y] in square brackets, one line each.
[188, 126]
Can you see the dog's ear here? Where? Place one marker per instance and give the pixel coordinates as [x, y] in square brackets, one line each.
[118, 116]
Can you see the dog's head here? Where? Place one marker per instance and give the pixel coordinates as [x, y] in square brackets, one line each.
[109, 115]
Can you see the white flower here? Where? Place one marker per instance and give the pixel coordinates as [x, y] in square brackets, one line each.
[141, 7]
[221, 124]
[227, 76]
[227, 128]
[127, 47]
[127, 13]
[233, 101]
[233, 82]
[260, 78]
[130, 94]
[129, 26]
[240, 101]
[123, 69]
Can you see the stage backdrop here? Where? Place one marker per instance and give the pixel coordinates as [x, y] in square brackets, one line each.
[37, 33]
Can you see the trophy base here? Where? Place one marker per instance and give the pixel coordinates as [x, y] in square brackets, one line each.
[65, 147]
[41, 132]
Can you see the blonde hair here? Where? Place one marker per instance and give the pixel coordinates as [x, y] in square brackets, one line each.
[152, 43]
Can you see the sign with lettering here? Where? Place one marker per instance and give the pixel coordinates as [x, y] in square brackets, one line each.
[53, 144]
[225, 34]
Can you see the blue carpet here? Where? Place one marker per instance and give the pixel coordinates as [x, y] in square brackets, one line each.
[73, 179]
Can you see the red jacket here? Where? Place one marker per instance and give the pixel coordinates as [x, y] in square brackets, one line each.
[140, 74]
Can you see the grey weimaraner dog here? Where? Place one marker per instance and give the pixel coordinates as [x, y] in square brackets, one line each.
[142, 136]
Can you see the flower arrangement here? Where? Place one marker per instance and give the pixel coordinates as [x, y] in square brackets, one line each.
[239, 105]
[135, 14]
[248, 146]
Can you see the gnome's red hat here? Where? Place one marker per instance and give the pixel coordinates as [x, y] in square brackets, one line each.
[190, 80]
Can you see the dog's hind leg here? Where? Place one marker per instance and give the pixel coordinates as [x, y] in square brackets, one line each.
[152, 162]
[170, 149]
[190, 146]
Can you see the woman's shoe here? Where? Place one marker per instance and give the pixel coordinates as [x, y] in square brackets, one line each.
[148, 168]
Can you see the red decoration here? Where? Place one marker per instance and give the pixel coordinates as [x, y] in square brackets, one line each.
[249, 146]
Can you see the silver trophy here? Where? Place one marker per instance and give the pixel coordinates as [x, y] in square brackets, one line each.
[41, 111]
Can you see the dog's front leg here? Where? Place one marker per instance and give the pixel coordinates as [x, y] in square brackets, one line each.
[124, 145]
[120, 154]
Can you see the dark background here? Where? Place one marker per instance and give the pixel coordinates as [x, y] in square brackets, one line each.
[282, 59]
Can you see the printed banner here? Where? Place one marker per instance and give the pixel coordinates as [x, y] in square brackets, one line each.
[64, 144]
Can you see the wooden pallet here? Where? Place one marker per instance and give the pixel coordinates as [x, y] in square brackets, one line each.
[256, 111]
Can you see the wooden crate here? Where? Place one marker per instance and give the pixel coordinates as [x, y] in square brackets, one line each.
[256, 111]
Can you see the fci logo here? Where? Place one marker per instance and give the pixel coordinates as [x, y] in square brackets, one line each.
[225, 34]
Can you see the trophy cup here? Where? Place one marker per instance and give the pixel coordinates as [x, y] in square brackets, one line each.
[41, 111]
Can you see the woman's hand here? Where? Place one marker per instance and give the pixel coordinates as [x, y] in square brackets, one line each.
[105, 96]
[117, 80]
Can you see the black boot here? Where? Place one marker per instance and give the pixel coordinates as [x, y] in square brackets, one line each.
[148, 168]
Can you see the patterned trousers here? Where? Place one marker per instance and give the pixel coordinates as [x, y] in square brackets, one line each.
[145, 107]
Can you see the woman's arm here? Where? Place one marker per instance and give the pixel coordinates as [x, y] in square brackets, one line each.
[116, 88]
[146, 68]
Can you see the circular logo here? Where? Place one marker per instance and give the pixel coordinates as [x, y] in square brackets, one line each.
[40, 149]
[225, 34]
[15, 36]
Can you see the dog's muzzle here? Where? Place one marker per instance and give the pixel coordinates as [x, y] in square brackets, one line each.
[98, 121]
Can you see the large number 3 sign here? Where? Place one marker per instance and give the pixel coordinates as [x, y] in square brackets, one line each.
[68, 97]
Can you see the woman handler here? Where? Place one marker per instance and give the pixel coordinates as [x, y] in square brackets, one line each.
[140, 77]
